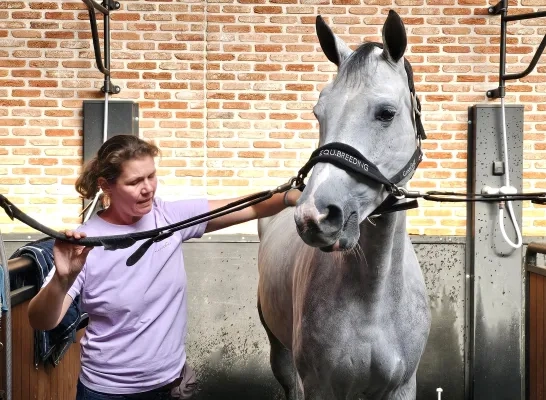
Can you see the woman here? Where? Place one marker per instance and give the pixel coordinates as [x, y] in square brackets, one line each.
[133, 346]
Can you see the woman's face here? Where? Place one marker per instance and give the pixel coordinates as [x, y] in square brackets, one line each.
[133, 192]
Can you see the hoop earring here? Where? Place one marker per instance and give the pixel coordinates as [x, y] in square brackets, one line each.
[105, 201]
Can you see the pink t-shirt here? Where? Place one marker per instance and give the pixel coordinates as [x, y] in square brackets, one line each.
[137, 315]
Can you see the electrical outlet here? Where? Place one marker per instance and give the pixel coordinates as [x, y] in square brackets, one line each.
[498, 168]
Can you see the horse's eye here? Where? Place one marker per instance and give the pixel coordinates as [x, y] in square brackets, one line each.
[386, 115]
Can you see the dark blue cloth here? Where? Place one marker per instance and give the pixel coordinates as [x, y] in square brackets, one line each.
[50, 345]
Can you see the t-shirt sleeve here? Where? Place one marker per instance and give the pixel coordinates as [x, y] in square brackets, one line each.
[180, 210]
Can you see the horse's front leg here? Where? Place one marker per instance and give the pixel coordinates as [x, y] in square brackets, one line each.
[282, 363]
[314, 390]
[407, 391]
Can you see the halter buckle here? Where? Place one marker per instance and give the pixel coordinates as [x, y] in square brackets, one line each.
[293, 183]
[398, 192]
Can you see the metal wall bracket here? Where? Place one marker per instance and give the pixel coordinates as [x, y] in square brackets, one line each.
[104, 67]
[502, 9]
[495, 93]
[496, 9]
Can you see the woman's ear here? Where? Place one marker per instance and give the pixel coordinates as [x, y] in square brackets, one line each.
[103, 185]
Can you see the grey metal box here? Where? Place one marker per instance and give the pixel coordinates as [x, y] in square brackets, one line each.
[122, 119]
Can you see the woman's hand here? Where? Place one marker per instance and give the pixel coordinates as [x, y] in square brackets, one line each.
[291, 197]
[69, 258]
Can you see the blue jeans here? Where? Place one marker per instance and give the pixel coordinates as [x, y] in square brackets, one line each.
[85, 393]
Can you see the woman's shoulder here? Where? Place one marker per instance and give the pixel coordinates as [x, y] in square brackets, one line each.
[95, 226]
[177, 210]
[180, 204]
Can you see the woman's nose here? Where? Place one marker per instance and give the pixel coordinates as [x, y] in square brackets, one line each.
[147, 186]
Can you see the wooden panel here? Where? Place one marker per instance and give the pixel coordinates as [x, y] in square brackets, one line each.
[536, 336]
[45, 382]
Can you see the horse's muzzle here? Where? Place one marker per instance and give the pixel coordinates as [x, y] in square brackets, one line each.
[330, 230]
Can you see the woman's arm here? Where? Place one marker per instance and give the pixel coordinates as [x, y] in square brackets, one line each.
[263, 209]
[49, 306]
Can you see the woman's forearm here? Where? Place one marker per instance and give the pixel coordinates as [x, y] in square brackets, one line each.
[45, 310]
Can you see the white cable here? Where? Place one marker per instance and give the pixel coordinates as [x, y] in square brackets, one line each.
[104, 138]
[507, 189]
[105, 123]
[516, 227]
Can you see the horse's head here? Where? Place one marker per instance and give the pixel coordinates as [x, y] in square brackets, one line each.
[369, 108]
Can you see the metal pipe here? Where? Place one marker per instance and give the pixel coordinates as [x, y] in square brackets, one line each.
[96, 43]
[107, 53]
[532, 65]
[520, 17]
[504, 13]
[536, 248]
[93, 5]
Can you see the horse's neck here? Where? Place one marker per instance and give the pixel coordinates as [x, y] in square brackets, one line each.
[383, 243]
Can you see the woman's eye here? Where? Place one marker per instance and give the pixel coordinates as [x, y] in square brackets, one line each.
[386, 115]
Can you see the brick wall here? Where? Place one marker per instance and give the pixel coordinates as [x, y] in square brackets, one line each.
[226, 89]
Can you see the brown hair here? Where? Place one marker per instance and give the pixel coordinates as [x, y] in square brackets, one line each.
[108, 162]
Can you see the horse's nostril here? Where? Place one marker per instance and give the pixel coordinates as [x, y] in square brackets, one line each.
[333, 219]
[322, 225]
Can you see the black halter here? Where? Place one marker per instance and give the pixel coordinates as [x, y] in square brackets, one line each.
[350, 159]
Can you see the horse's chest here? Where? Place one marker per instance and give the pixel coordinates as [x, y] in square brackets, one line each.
[364, 358]
[356, 350]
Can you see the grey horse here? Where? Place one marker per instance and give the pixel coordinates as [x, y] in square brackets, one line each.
[341, 294]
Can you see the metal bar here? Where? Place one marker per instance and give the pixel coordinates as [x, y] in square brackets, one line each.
[107, 82]
[520, 17]
[531, 66]
[502, 67]
[91, 4]
[96, 43]
[537, 248]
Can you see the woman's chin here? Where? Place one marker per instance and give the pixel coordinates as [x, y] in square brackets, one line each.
[143, 208]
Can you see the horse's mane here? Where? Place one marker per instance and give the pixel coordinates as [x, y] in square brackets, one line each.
[351, 70]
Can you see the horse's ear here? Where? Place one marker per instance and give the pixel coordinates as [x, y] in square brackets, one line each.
[394, 37]
[333, 47]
